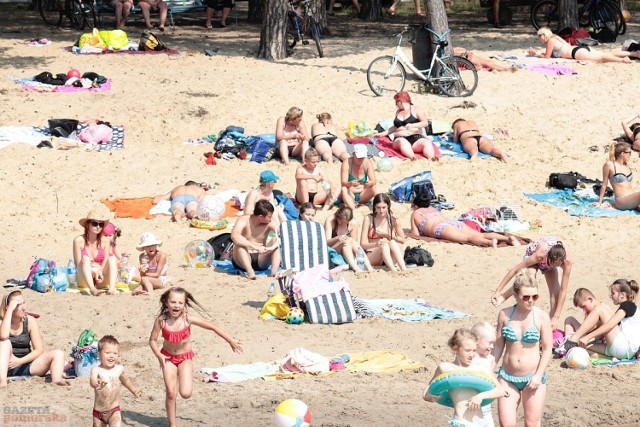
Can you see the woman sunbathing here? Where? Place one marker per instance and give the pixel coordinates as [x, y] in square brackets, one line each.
[632, 131]
[557, 47]
[481, 62]
[324, 138]
[616, 170]
[466, 132]
[429, 222]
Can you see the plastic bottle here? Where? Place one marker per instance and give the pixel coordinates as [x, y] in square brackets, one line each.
[124, 269]
[71, 274]
[144, 262]
[272, 290]
[360, 254]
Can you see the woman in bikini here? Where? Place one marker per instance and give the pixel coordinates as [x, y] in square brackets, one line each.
[382, 236]
[325, 140]
[524, 343]
[97, 267]
[466, 133]
[616, 170]
[632, 132]
[358, 178]
[342, 232]
[408, 130]
[557, 47]
[291, 135]
[429, 222]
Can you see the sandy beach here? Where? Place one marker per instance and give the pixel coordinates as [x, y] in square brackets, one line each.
[162, 100]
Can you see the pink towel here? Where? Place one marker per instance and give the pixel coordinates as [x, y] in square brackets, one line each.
[386, 145]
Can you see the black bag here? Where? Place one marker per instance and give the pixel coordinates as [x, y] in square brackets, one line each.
[604, 35]
[62, 127]
[149, 41]
[423, 188]
[222, 246]
[417, 256]
[562, 180]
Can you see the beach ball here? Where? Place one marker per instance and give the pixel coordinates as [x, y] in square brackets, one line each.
[577, 358]
[198, 253]
[73, 73]
[293, 413]
[626, 15]
[384, 165]
[210, 208]
[295, 316]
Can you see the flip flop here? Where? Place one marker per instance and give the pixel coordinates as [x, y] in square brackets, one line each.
[390, 13]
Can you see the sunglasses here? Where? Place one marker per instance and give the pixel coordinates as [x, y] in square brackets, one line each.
[528, 297]
[96, 223]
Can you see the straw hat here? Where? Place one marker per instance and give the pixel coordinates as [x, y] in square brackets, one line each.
[148, 239]
[95, 215]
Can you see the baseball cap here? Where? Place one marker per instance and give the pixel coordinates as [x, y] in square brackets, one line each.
[360, 151]
[268, 176]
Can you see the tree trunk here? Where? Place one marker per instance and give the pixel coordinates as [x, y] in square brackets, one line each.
[256, 10]
[438, 22]
[568, 11]
[370, 10]
[274, 27]
[319, 12]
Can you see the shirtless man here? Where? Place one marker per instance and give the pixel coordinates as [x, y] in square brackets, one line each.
[184, 199]
[466, 132]
[106, 379]
[268, 181]
[255, 244]
[310, 182]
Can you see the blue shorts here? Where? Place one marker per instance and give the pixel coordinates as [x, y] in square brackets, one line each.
[20, 371]
[183, 199]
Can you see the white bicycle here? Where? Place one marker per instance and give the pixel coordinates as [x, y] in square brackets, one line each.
[449, 75]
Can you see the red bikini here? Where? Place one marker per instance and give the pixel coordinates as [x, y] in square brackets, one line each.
[177, 337]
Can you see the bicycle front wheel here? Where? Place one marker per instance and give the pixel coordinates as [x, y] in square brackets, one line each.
[90, 16]
[606, 15]
[316, 31]
[76, 14]
[51, 11]
[292, 31]
[456, 76]
[545, 14]
[386, 75]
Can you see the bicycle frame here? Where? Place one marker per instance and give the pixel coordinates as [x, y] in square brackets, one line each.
[398, 54]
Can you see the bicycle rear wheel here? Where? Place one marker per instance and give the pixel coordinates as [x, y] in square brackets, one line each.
[51, 11]
[316, 31]
[386, 75]
[545, 14]
[90, 15]
[456, 76]
[76, 14]
[606, 15]
[292, 31]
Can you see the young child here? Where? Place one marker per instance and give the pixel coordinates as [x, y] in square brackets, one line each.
[152, 273]
[595, 315]
[307, 212]
[467, 401]
[111, 233]
[176, 353]
[621, 332]
[311, 184]
[484, 360]
[106, 379]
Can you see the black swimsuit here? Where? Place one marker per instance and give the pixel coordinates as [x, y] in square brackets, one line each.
[409, 120]
[476, 137]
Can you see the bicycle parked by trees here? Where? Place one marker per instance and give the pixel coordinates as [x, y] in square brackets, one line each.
[79, 12]
[598, 14]
[449, 75]
[301, 21]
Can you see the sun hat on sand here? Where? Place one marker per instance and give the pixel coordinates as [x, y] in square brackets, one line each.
[148, 239]
[95, 215]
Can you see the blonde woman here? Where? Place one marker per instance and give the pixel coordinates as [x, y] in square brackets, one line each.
[557, 47]
[617, 171]
[324, 138]
[291, 135]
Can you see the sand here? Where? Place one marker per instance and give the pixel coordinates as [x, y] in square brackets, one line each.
[164, 100]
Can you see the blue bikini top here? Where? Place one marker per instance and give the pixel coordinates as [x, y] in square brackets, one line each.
[531, 335]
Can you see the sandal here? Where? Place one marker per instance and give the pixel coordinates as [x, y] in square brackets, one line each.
[390, 13]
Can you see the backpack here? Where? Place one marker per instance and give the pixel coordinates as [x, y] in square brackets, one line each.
[40, 267]
[417, 256]
[404, 191]
[604, 35]
[222, 246]
[562, 181]
[423, 187]
[149, 41]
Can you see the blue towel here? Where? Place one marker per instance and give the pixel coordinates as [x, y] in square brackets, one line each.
[417, 310]
[578, 203]
[229, 268]
[451, 148]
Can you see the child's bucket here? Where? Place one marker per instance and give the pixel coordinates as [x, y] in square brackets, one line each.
[83, 365]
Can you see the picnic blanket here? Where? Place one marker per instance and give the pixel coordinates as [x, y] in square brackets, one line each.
[578, 203]
[411, 310]
[32, 85]
[79, 51]
[143, 207]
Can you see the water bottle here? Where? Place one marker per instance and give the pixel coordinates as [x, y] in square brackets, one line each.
[272, 290]
[124, 269]
[71, 274]
[360, 254]
[144, 263]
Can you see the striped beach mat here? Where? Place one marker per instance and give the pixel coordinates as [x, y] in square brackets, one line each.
[303, 245]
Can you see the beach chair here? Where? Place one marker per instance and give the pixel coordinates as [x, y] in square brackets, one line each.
[302, 245]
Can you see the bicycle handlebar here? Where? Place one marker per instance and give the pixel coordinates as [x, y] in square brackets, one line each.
[440, 37]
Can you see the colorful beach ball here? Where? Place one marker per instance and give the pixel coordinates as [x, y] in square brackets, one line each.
[198, 253]
[295, 316]
[384, 165]
[210, 208]
[293, 413]
[577, 358]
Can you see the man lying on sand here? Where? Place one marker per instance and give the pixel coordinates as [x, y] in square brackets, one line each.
[184, 199]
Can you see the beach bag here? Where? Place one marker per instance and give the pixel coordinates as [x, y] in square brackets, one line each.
[222, 246]
[562, 180]
[63, 127]
[259, 150]
[418, 256]
[285, 282]
[85, 353]
[92, 39]
[332, 308]
[54, 281]
[423, 187]
[115, 39]
[276, 307]
[150, 42]
[359, 129]
[40, 267]
[604, 35]
[403, 190]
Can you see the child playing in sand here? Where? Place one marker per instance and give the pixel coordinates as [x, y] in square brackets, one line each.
[595, 315]
[307, 212]
[311, 184]
[467, 401]
[152, 273]
[176, 353]
[106, 379]
[484, 359]
[620, 332]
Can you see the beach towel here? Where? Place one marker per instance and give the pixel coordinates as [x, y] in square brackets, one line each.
[551, 70]
[598, 361]
[227, 267]
[578, 203]
[522, 240]
[116, 142]
[444, 146]
[411, 310]
[238, 373]
[34, 86]
[303, 245]
[143, 207]
[80, 51]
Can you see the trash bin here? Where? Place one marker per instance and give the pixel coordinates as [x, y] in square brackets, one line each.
[421, 48]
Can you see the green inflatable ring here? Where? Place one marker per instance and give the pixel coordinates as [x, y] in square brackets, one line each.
[476, 380]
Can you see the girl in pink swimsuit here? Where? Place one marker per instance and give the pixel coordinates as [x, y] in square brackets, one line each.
[547, 254]
[96, 265]
[176, 354]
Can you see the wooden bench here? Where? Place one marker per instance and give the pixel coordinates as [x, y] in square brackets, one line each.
[173, 7]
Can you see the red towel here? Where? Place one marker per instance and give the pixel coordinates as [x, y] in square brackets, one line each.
[386, 145]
